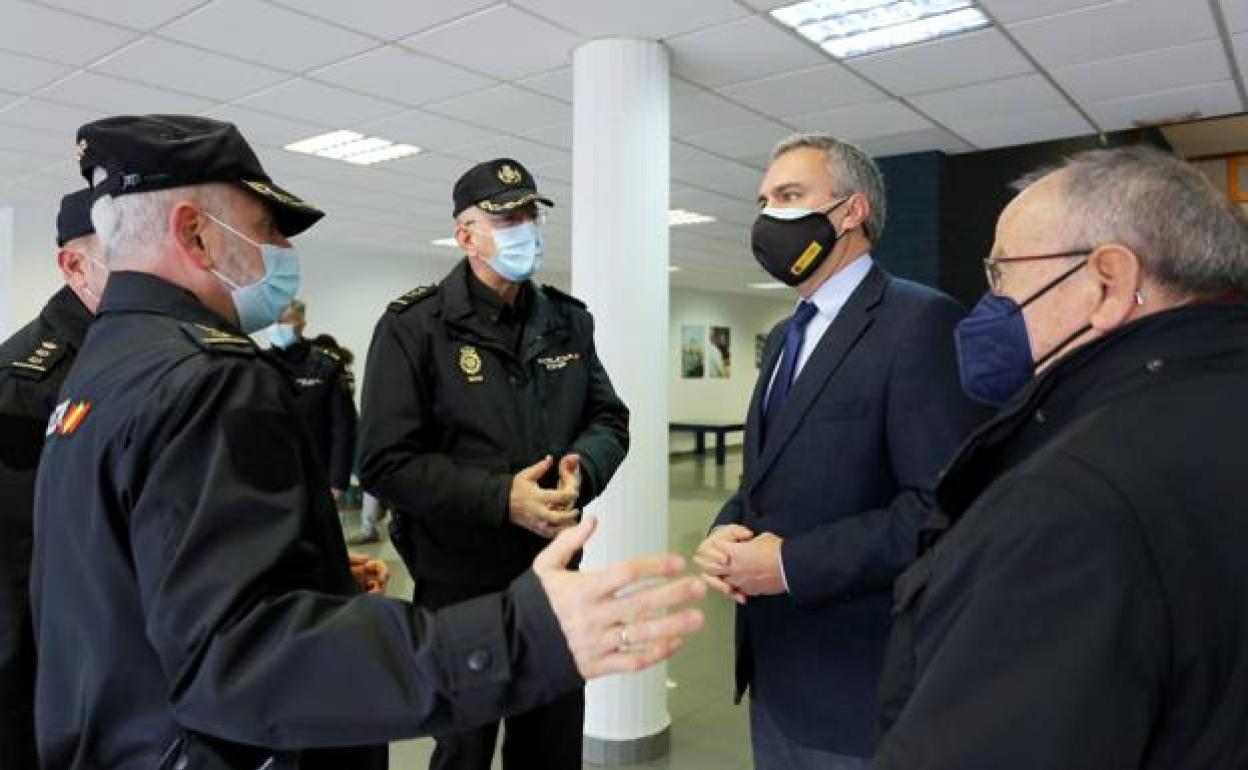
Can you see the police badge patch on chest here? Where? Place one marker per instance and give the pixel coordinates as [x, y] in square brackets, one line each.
[470, 363]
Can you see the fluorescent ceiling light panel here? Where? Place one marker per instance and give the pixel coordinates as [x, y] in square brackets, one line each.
[848, 28]
[673, 269]
[767, 285]
[681, 217]
[353, 148]
[449, 242]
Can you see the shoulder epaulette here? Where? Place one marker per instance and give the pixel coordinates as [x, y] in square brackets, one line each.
[562, 296]
[217, 340]
[39, 363]
[412, 297]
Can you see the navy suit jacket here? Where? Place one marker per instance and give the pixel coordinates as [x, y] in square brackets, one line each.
[845, 477]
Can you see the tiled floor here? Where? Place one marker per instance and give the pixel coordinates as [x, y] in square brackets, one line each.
[708, 731]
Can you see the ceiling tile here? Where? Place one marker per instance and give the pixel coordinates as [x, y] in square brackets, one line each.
[738, 51]
[136, 14]
[1236, 14]
[1114, 29]
[56, 36]
[263, 128]
[497, 29]
[742, 141]
[645, 19]
[252, 30]
[554, 135]
[158, 62]
[957, 61]
[387, 19]
[427, 130]
[439, 168]
[556, 84]
[315, 102]
[1023, 127]
[702, 111]
[864, 121]
[52, 144]
[812, 90]
[1209, 100]
[987, 100]
[1010, 11]
[1141, 73]
[698, 168]
[528, 153]
[504, 105]
[767, 5]
[559, 172]
[14, 162]
[402, 76]
[914, 141]
[21, 74]
[48, 116]
[88, 89]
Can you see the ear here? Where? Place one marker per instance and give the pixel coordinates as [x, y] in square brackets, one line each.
[186, 225]
[73, 265]
[467, 240]
[1117, 271]
[856, 209]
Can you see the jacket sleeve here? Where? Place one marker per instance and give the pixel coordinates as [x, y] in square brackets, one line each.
[1040, 638]
[226, 545]
[343, 420]
[396, 433]
[603, 443]
[927, 418]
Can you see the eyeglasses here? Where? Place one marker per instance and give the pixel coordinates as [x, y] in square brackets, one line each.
[992, 265]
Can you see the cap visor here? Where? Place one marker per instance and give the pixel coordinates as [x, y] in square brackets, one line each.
[291, 213]
[511, 200]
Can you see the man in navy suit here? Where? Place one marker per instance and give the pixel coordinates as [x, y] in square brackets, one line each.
[857, 407]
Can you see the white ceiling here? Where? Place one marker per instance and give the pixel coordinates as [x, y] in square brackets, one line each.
[469, 80]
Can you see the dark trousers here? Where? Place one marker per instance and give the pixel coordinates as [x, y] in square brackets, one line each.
[546, 738]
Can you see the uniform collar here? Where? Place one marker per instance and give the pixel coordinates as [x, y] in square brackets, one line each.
[129, 291]
[485, 298]
[67, 317]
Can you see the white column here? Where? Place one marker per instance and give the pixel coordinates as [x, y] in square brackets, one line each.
[8, 280]
[620, 178]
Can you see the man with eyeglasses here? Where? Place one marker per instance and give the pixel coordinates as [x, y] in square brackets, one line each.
[487, 423]
[1083, 598]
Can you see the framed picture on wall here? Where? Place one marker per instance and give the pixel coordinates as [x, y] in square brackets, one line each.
[692, 352]
[719, 353]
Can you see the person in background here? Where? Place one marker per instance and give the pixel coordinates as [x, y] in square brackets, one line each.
[33, 364]
[324, 392]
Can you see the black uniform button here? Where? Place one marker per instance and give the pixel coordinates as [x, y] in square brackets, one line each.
[478, 661]
[1155, 366]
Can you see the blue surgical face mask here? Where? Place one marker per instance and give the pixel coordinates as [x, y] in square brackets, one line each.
[283, 335]
[520, 251]
[261, 303]
[995, 359]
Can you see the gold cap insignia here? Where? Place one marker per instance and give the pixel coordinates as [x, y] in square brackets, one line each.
[508, 175]
[80, 149]
[470, 363]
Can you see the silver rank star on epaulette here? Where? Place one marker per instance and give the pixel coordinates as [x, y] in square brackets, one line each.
[210, 338]
[41, 360]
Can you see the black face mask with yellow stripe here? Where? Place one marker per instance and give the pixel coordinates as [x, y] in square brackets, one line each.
[791, 244]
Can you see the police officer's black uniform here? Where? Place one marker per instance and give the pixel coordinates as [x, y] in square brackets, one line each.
[193, 603]
[461, 393]
[33, 364]
[324, 399]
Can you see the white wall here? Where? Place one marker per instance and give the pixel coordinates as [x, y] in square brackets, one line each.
[34, 276]
[719, 399]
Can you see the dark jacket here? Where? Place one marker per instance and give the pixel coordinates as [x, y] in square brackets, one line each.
[451, 413]
[324, 400]
[1088, 605]
[845, 477]
[193, 604]
[33, 364]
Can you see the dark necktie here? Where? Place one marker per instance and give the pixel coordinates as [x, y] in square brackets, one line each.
[794, 334]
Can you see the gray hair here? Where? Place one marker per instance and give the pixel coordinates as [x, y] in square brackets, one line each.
[131, 227]
[852, 171]
[1189, 236]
